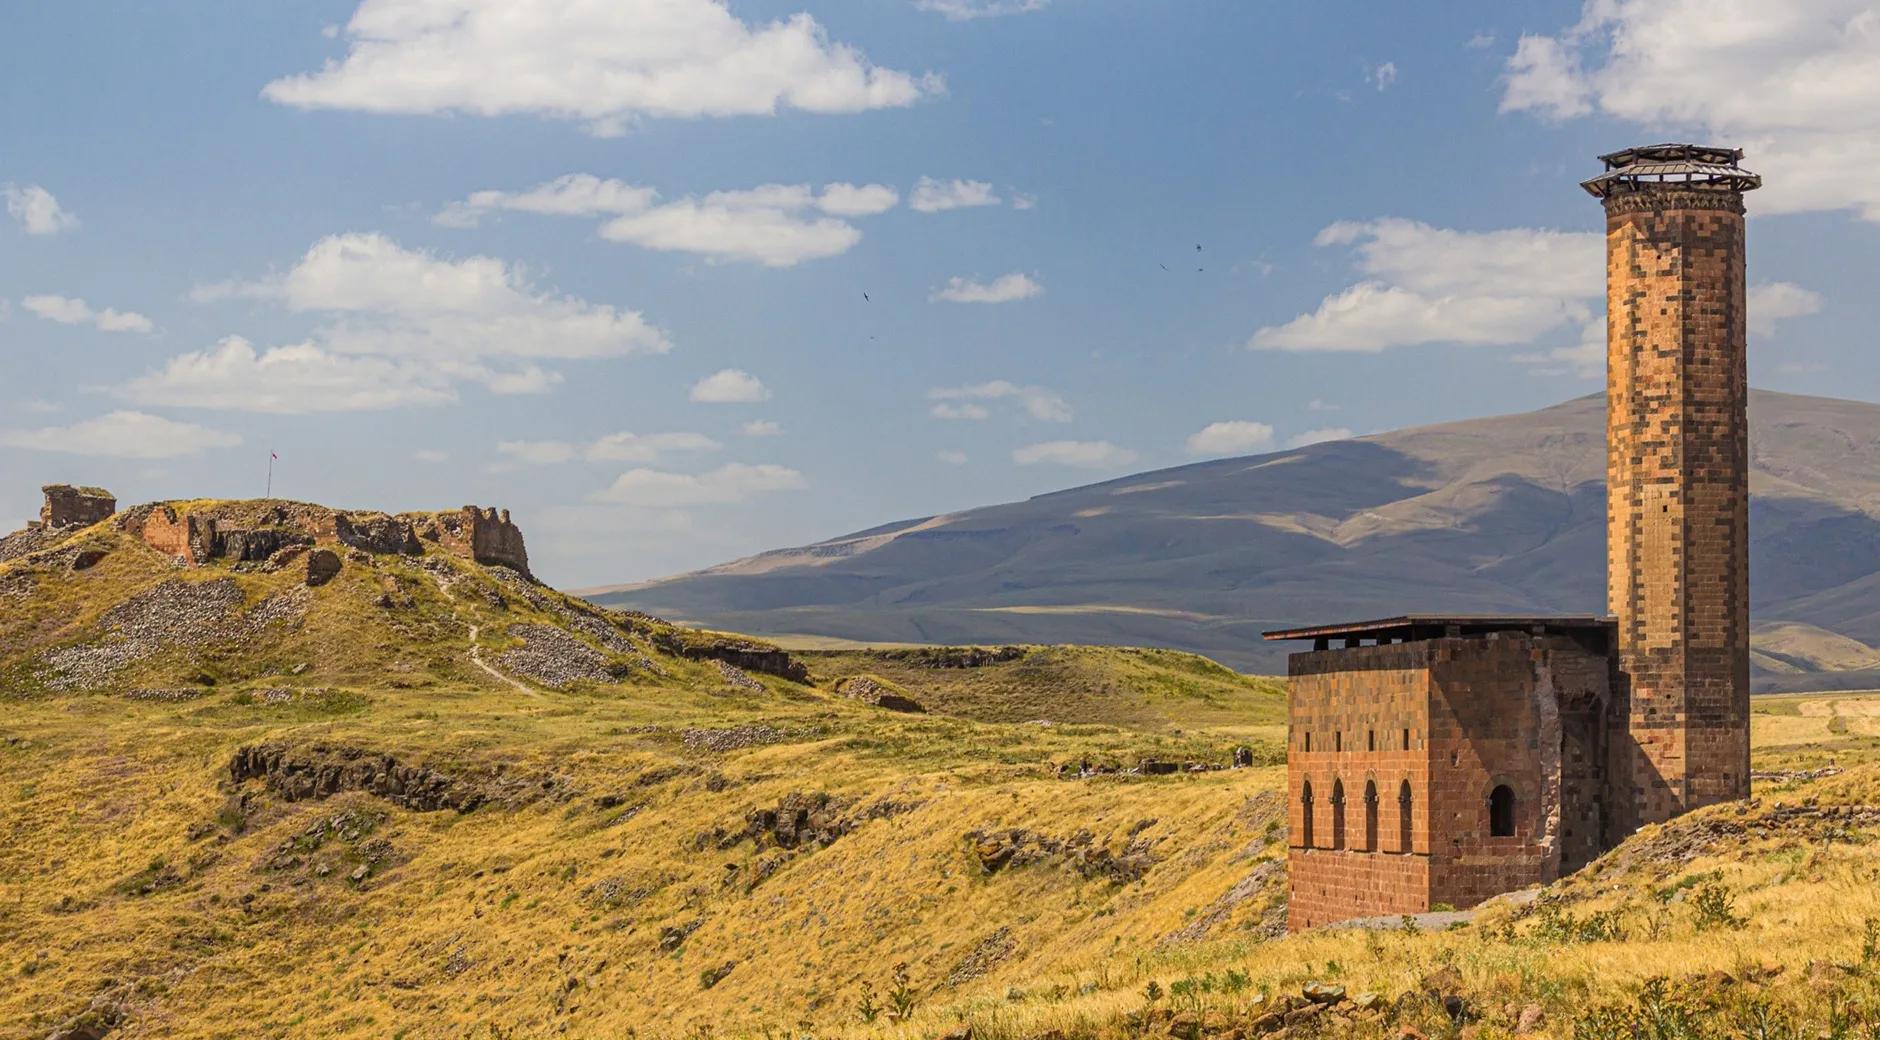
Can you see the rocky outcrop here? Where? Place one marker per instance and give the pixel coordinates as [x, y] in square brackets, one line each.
[870, 690]
[320, 771]
[259, 544]
[68, 506]
[999, 849]
[322, 566]
[377, 533]
[747, 654]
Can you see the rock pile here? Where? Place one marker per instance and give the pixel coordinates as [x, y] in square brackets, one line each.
[174, 613]
[999, 849]
[733, 738]
[869, 690]
[552, 657]
[738, 679]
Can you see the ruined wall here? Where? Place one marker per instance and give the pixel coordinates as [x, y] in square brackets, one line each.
[1358, 717]
[68, 506]
[1496, 719]
[1677, 475]
[483, 535]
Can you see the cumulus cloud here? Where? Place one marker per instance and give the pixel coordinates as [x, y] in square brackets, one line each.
[1425, 284]
[957, 402]
[761, 428]
[1004, 289]
[1384, 76]
[602, 64]
[401, 327]
[122, 435]
[730, 386]
[37, 211]
[1318, 436]
[777, 225]
[67, 310]
[1082, 454]
[967, 10]
[1232, 437]
[291, 380]
[932, 196]
[728, 484]
[1772, 302]
[1792, 83]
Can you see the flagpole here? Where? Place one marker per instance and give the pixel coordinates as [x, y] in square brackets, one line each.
[270, 493]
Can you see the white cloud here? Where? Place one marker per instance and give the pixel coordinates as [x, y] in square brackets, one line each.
[36, 209]
[646, 447]
[1430, 285]
[1317, 405]
[67, 310]
[1480, 41]
[292, 380]
[122, 435]
[537, 453]
[1038, 402]
[1232, 437]
[761, 428]
[1384, 76]
[952, 458]
[1319, 436]
[932, 196]
[393, 301]
[430, 455]
[1004, 289]
[967, 10]
[730, 483]
[1083, 454]
[604, 64]
[1020, 201]
[778, 225]
[730, 386]
[1772, 302]
[969, 411]
[1792, 83]
[857, 200]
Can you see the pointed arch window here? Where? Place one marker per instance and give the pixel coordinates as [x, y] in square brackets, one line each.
[1403, 817]
[1370, 816]
[1338, 814]
[1305, 803]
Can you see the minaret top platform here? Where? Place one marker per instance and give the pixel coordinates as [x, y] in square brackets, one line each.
[1692, 167]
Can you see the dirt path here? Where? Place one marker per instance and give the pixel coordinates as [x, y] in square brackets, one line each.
[476, 658]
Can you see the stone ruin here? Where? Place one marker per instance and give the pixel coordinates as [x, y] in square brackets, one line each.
[68, 506]
[274, 532]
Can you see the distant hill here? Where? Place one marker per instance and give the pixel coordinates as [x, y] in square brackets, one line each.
[1492, 515]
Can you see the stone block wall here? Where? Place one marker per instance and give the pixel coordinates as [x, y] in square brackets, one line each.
[68, 506]
[484, 535]
[1678, 512]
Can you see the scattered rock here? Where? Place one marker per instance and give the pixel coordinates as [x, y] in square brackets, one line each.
[984, 956]
[1017, 847]
[713, 976]
[733, 738]
[1530, 1019]
[1322, 992]
[674, 936]
[86, 559]
[737, 678]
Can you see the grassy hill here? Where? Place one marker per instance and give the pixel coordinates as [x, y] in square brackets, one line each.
[1495, 515]
[433, 799]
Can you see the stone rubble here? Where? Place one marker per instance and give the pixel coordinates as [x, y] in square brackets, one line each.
[555, 659]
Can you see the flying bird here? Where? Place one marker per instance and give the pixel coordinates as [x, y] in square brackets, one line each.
[865, 298]
[1162, 266]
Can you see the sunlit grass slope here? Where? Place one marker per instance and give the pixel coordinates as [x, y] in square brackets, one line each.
[678, 846]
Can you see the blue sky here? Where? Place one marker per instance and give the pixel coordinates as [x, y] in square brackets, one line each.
[585, 261]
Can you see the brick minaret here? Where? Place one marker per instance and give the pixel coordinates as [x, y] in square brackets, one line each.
[1677, 478]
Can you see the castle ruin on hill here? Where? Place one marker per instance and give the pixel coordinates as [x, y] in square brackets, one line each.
[272, 530]
[1446, 759]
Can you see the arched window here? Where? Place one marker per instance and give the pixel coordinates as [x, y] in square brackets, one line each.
[1403, 816]
[1370, 816]
[1305, 830]
[1338, 814]
[1501, 812]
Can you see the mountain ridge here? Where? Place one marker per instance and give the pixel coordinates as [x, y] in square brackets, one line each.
[1494, 514]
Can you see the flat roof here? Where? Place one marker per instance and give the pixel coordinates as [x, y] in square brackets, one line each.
[1401, 622]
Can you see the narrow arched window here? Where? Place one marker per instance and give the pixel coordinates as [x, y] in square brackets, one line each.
[1338, 814]
[1403, 816]
[1305, 803]
[1501, 812]
[1370, 816]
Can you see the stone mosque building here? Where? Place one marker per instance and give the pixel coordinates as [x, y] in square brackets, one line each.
[1443, 760]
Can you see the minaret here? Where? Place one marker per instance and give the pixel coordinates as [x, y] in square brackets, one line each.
[1677, 478]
